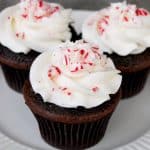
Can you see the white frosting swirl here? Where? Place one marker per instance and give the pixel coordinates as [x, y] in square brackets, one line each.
[34, 24]
[75, 74]
[121, 28]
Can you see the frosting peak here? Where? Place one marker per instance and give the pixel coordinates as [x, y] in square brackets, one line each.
[77, 59]
[80, 56]
[34, 25]
[121, 28]
[75, 74]
[37, 9]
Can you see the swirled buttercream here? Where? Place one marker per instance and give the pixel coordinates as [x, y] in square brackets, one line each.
[121, 28]
[34, 25]
[75, 74]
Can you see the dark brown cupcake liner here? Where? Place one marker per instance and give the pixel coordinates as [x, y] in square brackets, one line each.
[15, 67]
[70, 128]
[15, 78]
[134, 70]
[133, 83]
[72, 136]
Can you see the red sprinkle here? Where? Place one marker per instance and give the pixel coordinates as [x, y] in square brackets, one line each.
[84, 41]
[49, 75]
[66, 60]
[117, 7]
[20, 35]
[81, 67]
[95, 89]
[69, 50]
[145, 12]
[38, 17]
[82, 51]
[40, 3]
[102, 22]
[54, 10]
[24, 16]
[53, 89]
[90, 63]
[125, 19]
[101, 30]
[107, 17]
[69, 93]
[141, 12]
[86, 55]
[17, 35]
[138, 12]
[64, 89]
[105, 21]
[23, 35]
[95, 48]
[57, 69]
[75, 70]
[97, 53]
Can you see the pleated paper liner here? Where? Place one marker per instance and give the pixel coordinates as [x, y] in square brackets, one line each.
[72, 136]
[133, 83]
[134, 70]
[70, 128]
[15, 78]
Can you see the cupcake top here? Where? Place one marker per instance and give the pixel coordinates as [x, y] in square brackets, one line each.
[34, 25]
[121, 28]
[75, 74]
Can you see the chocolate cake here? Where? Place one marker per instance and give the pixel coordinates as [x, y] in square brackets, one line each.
[72, 93]
[135, 69]
[70, 128]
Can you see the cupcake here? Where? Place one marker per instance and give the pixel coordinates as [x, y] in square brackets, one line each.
[72, 93]
[28, 29]
[123, 32]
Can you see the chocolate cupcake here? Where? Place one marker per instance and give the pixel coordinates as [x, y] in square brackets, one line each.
[72, 93]
[28, 29]
[122, 31]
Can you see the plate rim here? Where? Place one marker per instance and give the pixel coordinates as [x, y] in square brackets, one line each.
[142, 143]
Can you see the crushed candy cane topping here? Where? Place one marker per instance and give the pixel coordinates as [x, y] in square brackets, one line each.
[35, 25]
[77, 58]
[122, 13]
[75, 74]
[119, 29]
[37, 9]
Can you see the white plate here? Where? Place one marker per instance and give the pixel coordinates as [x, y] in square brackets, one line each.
[129, 123]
